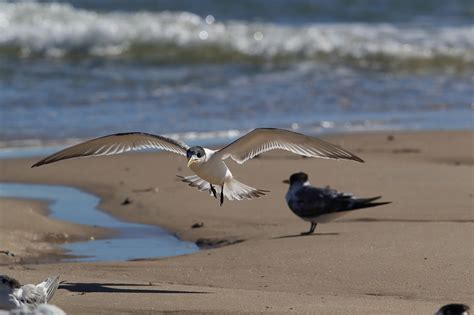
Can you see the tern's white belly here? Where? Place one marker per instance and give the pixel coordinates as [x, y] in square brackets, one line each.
[213, 171]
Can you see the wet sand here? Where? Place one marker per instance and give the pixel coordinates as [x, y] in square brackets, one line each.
[411, 256]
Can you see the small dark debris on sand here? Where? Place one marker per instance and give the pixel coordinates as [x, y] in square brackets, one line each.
[406, 150]
[197, 225]
[7, 252]
[390, 138]
[126, 201]
[207, 243]
[151, 189]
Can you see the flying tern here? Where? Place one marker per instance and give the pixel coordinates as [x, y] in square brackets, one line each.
[212, 174]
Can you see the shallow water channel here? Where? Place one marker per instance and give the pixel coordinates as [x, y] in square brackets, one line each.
[130, 240]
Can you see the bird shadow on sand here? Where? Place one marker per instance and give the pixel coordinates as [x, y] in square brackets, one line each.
[403, 220]
[109, 288]
[304, 235]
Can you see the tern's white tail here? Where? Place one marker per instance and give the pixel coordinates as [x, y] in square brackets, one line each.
[233, 189]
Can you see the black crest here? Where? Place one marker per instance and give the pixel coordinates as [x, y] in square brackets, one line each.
[298, 178]
[195, 151]
[12, 283]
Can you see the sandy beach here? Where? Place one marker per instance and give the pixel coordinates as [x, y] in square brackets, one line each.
[411, 256]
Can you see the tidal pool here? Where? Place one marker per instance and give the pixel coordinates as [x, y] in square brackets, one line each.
[130, 240]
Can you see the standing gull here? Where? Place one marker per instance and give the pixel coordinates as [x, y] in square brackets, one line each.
[13, 294]
[320, 205]
[212, 174]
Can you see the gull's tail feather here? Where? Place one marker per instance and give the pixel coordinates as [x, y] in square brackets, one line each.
[362, 203]
[235, 190]
[353, 204]
[50, 285]
[367, 200]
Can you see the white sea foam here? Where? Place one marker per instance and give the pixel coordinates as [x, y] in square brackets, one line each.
[55, 29]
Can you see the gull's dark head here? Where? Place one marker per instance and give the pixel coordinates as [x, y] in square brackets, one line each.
[9, 282]
[297, 178]
[453, 309]
[195, 154]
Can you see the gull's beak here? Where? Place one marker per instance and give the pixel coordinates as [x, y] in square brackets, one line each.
[192, 160]
[286, 181]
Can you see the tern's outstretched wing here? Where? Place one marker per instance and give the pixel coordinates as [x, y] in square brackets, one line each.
[265, 139]
[116, 144]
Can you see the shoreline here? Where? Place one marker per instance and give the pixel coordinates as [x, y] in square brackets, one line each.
[45, 247]
[82, 232]
[350, 265]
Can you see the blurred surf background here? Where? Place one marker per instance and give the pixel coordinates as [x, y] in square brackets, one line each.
[202, 70]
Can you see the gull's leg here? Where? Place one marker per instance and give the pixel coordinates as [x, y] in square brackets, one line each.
[222, 195]
[213, 190]
[311, 230]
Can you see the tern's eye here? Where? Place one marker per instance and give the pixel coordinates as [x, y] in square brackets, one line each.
[199, 154]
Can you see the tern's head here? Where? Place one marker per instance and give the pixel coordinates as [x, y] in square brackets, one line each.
[8, 283]
[297, 178]
[195, 155]
[453, 309]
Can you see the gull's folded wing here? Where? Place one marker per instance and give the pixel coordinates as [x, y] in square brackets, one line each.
[116, 144]
[265, 139]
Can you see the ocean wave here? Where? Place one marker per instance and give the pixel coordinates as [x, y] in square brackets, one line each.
[58, 30]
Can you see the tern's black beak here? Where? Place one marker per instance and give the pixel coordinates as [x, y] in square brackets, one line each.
[286, 181]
